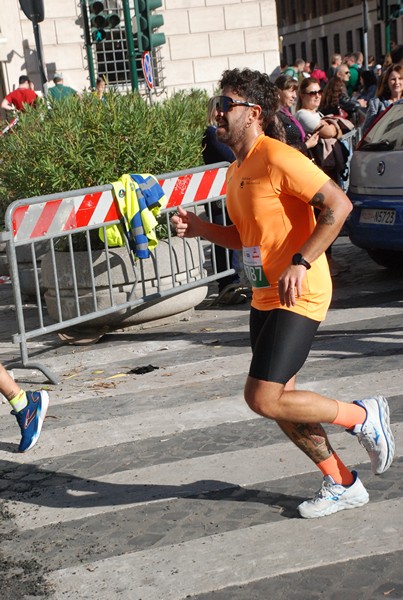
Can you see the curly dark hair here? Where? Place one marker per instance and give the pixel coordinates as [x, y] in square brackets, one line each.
[255, 87]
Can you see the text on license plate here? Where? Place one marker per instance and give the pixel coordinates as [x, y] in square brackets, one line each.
[377, 215]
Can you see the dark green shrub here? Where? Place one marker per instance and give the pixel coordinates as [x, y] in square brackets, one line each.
[88, 142]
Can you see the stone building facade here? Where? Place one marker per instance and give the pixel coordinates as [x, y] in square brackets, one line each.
[203, 37]
[315, 30]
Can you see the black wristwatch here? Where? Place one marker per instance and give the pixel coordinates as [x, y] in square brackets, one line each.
[298, 259]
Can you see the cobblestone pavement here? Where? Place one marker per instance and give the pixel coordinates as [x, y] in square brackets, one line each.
[164, 486]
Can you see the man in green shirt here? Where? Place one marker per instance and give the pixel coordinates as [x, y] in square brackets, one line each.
[60, 91]
[354, 62]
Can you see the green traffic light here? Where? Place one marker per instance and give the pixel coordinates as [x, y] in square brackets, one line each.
[153, 4]
[147, 23]
[156, 21]
[101, 20]
[98, 35]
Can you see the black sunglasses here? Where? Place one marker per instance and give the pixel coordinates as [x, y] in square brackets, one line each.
[225, 103]
[314, 93]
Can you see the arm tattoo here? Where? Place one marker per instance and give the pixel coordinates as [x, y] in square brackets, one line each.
[317, 201]
[326, 216]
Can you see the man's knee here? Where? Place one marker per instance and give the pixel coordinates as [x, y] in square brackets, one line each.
[263, 397]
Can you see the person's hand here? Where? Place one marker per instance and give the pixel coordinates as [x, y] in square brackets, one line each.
[312, 139]
[362, 102]
[290, 284]
[185, 223]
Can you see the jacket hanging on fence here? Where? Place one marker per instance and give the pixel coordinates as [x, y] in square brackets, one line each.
[140, 199]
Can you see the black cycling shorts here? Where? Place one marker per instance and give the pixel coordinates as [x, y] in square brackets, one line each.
[281, 341]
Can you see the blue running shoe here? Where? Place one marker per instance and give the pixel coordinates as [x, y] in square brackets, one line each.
[31, 418]
[375, 434]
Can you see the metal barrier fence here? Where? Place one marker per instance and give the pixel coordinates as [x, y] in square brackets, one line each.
[58, 277]
[65, 284]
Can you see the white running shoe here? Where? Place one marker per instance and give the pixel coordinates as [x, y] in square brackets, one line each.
[333, 497]
[375, 434]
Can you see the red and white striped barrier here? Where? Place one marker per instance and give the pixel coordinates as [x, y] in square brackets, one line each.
[194, 187]
[54, 217]
[65, 214]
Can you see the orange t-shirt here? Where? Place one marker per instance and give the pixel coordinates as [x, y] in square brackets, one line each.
[268, 199]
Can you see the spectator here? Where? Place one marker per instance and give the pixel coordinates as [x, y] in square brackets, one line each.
[378, 71]
[335, 100]
[306, 71]
[229, 291]
[354, 62]
[387, 61]
[278, 70]
[371, 62]
[284, 126]
[311, 118]
[100, 86]
[60, 91]
[23, 95]
[334, 64]
[318, 74]
[328, 153]
[368, 83]
[296, 69]
[390, 89]
[397, 55]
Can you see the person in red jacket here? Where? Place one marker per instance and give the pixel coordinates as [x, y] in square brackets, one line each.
[23, 95]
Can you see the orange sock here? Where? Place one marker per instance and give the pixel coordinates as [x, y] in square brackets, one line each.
[334, 467]
[349, 415]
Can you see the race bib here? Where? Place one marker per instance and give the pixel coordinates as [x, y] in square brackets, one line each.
[252, 264]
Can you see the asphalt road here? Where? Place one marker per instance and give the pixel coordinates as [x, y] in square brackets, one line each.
[165, 486]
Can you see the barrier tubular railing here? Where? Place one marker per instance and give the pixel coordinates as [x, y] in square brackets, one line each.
[54, 217]
[62, 216]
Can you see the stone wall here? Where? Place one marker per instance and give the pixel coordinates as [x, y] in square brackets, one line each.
[204, 37]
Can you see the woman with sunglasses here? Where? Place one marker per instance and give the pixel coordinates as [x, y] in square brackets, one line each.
[284, 126]
[390, 90]
[308, 114]
[311, 119]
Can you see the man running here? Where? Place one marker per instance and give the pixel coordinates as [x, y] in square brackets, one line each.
[272, 190]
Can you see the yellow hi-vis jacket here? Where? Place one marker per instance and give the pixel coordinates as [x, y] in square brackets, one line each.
[140, 199]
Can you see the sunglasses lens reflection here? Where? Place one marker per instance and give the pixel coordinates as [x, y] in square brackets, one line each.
[223, 103]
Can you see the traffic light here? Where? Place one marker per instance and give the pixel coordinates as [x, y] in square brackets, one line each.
[101, 21]
[33, 10]
[388, 9]
[148, 22]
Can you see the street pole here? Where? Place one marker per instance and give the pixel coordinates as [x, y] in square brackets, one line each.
[41, 61]
[365, 33]
[88, 43]
[130, 46]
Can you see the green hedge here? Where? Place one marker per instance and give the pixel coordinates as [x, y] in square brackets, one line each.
[82, 143]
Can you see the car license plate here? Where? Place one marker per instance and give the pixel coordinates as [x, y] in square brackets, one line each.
[377, 216]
